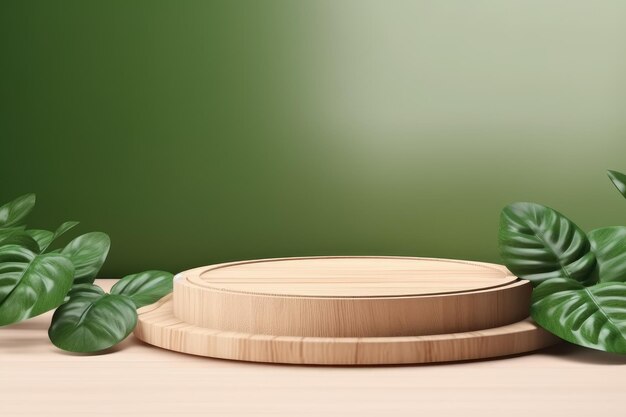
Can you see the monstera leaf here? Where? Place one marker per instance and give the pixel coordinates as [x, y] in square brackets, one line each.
[92, 320]
[20, 238]
[13, 212]
[538, 243]
[619, 180]
[145, 287]
[593, 316]
[609, 246]
[31, 284]
[87, 252]
[45, 237]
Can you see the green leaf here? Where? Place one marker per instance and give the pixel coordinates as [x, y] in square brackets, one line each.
[609, 246]
[538, 243]
[145, 287]
[6, 231]
[87, 252]
[42, 237]
[45, 237]
[20, 238]
[13, 212]
[92, 320]
[619, 180]
[594, 316]
[31, 284]
[64, 227]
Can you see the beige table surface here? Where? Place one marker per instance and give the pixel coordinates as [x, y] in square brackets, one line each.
[137, 379]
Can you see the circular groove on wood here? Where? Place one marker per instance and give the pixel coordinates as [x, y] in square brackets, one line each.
[350, 276]
[433, 296]
[158, 326]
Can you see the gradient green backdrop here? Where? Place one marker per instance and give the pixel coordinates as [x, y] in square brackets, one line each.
[196, 132]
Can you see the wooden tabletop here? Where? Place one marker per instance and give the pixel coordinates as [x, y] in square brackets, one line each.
[137, 379]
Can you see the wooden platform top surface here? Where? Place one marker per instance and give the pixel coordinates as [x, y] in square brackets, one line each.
[351, 276]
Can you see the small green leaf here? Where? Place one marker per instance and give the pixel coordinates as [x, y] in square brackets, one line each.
[538, 243]
[594, 316]
[13, 212]
[87, 252]
[31, 284]
[92, 320]
[609, 246]
[45, 237]
[145, 287]
[64, 227]
[619, 180]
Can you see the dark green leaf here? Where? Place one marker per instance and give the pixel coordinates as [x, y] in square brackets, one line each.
[87, 252]
[538, 243]
[64, 227]
[31, 284]
[21, 238]
[6, 231]
[42, 237]
[13, 212]
[145, 287]
[92, 320]
[45, 237]
[593, 316]
[619, 180]
[609, 246]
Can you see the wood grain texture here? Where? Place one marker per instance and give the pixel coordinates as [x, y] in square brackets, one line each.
[136, 379]
[350, 276]
[327, 311]
[157, 325]
[420, 296]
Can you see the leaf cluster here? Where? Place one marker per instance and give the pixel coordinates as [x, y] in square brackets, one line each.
[35, 278]
[579, 278]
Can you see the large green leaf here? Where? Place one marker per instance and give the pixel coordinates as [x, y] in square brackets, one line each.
[619, 180]
[87, 252]
[45, 237]
[538, 243]
[609, 246]
[145, 287]
[92, 320]
[13, 212]
[31, 284]
[593, 316]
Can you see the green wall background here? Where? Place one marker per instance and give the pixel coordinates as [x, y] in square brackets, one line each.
[196, 132]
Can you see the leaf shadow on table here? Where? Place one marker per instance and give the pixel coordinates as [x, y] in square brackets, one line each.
[573, 353]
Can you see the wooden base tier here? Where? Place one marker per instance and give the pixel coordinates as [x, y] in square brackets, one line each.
[158, 326]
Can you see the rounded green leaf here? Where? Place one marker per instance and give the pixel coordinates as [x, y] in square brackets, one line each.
[31, 284]
[87, 252]
[609, 246]
[619, 180]
[145, 287]
[594, 316]
[538, 243]
[92, 320]
[13, 212]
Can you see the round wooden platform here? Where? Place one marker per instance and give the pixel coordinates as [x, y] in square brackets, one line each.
[345, 310]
